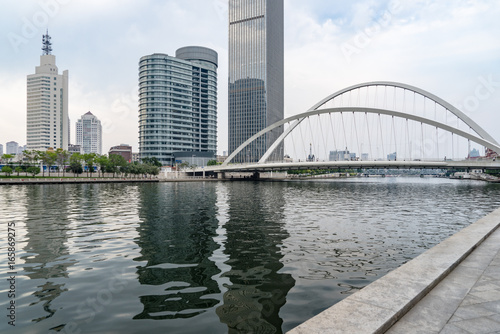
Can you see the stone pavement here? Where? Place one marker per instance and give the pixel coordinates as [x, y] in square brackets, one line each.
[465, 301]
[453, 287]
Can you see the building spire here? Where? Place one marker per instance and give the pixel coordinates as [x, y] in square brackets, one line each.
[46, 44]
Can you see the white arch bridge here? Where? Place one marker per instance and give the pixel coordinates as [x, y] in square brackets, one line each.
[372, 125]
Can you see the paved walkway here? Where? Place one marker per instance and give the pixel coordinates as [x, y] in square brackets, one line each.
[466, 301]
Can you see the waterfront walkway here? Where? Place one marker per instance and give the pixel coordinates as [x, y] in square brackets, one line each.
[452, 288]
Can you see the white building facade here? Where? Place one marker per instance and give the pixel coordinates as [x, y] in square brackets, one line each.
[89, 134]
[47, 104]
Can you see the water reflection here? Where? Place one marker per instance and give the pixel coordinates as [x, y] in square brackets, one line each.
[47, 257]
[176, 239]
[255, 231]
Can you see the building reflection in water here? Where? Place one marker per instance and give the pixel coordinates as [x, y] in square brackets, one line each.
[47, 236]
[254, 232]
[176, 237]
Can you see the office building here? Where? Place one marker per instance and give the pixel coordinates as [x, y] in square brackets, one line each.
[74, 149]
[11, 147]
[1, 150]
[124, 150]
[89, 133]
[256, 84]
[178, 104]
[47, 104]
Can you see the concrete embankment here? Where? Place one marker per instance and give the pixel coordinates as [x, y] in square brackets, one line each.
[72, 180]
[378, 306]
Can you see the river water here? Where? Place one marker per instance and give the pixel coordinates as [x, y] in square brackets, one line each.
[215, 257]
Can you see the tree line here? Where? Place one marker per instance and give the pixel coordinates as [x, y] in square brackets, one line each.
[78, 163]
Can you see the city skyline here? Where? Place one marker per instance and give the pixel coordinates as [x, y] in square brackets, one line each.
[447, 49]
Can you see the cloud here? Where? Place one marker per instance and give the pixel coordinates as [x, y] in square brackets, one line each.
[443, 47]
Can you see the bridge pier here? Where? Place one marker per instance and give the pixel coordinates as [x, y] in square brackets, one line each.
[221, 175]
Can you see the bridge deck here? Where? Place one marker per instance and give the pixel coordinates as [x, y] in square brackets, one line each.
[452, 288]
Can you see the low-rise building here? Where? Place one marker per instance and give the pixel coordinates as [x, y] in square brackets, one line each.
[124, 150]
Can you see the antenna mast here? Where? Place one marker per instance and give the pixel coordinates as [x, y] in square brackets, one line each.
[46, 44]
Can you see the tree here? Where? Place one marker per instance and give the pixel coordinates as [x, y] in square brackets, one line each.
[7, 157]
[62, 158]
[89, 162]
[116, 163]
[7, 170]
[48, 158]
[75, 164]
[153, 161]
[19, 169]
[212, 162]
[33, 170]
[102, 161]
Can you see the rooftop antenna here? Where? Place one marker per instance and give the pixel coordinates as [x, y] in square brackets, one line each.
[46, 44]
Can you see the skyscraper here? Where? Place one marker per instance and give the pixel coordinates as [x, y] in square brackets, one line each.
[255, 75]
[47, 104]
[178, 104]
[89, 133]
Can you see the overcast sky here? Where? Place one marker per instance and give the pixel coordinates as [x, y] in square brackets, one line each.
[450, 48]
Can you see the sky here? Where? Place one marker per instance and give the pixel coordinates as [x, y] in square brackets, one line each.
[449, 48]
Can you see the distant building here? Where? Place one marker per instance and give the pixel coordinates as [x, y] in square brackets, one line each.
[1, 149]
[392, 156]
[474, 153]
[74, 149]
[89, 134]
[47, 104]
[365, 156]
[21, 149]
[124, 150]
[341, 155]
[136, 157]
[11, 147]
[221, 158]
[178, 104]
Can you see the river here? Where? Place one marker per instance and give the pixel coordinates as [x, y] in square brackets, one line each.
[215, 257]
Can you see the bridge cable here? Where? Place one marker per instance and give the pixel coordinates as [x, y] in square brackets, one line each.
[333, 133]
[381, 136]
[356, 130]
[369, 137]
[343, 127]
[323, 136]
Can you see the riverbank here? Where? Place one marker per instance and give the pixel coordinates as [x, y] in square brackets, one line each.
[68, 180]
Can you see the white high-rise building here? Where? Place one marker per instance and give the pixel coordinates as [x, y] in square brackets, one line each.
[89, 134]
[11, 147]
[47, 104]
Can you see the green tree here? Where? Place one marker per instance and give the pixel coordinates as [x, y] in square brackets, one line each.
[89, 159]
[7, 170]
[153, 161]
[7, 157]
[116, 163]
[48, 158]
[62, 159]
[18, 170]
[75, 163]
[102, 161]
[33, 170]
[212, 162]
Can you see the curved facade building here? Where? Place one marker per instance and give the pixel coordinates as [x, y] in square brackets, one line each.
[178, 104]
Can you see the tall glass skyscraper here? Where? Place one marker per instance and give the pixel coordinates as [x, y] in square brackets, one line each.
[178, 104]
[255, 75]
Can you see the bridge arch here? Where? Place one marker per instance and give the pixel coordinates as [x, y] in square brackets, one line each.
[482, 137]
[467, 120]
